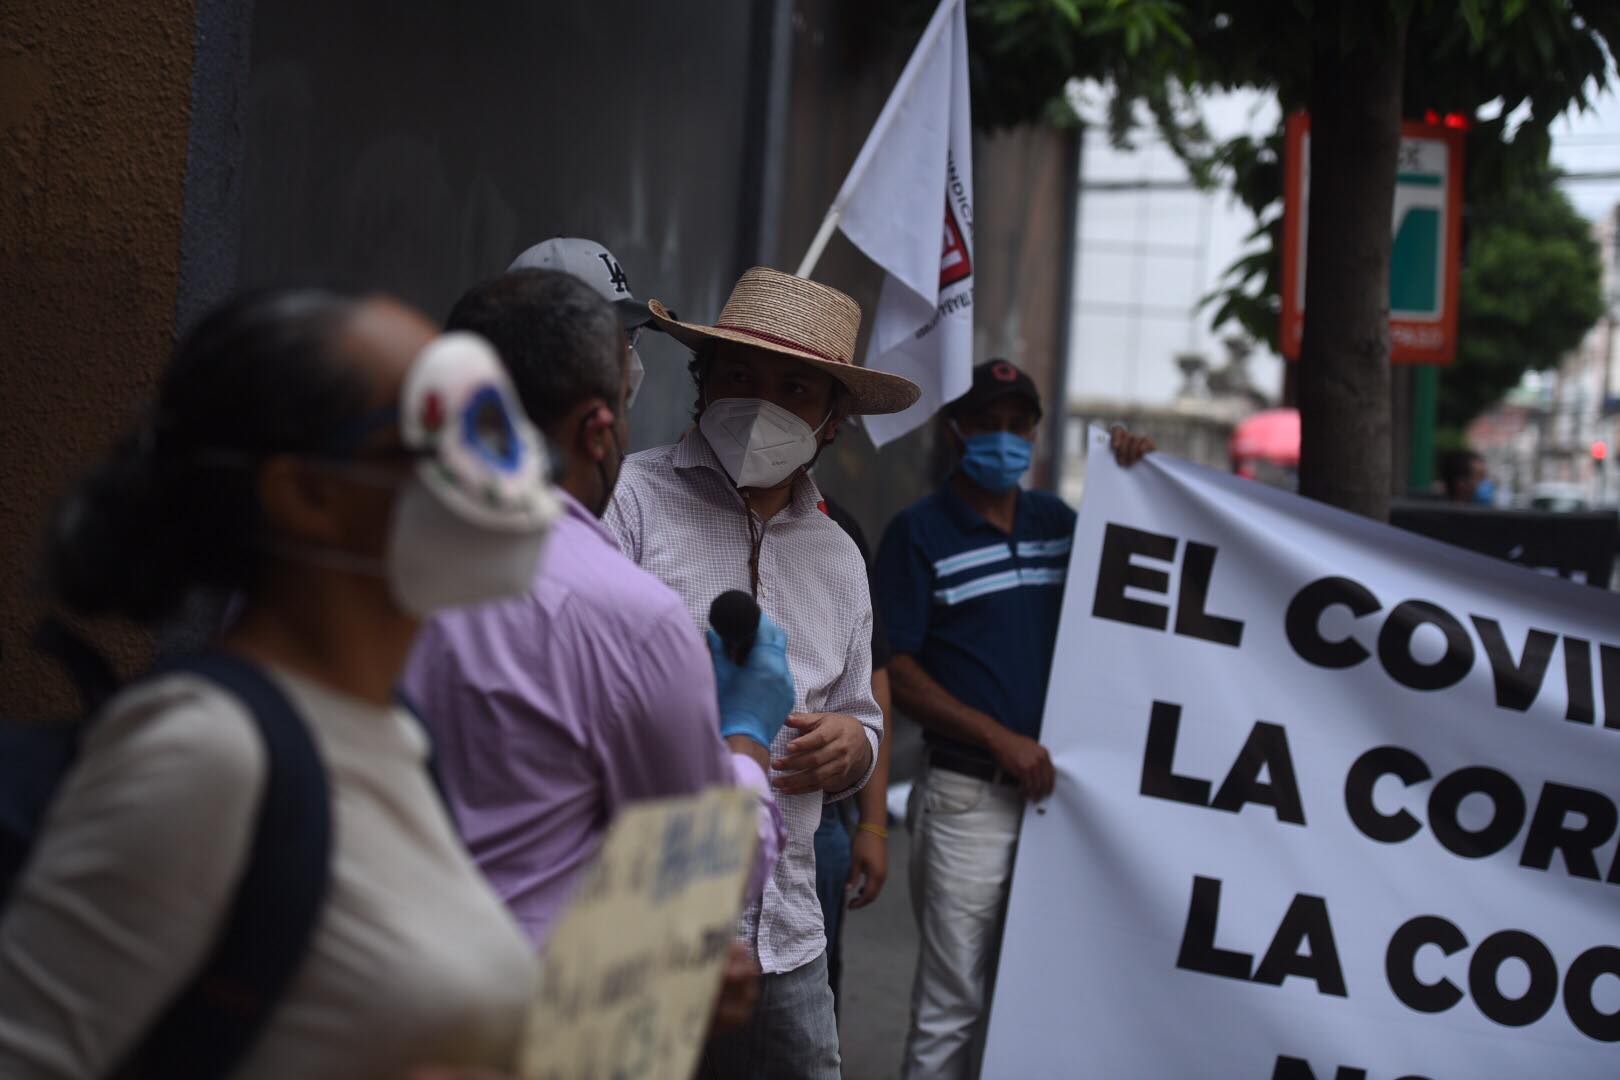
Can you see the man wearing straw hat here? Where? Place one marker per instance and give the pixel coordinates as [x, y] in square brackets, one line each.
[730, 506]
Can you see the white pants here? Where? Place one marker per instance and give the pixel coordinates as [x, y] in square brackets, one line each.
[964, 832]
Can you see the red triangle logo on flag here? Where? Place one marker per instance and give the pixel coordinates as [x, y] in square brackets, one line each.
[955, 264]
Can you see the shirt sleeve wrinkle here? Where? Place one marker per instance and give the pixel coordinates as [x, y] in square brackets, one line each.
[663, 735]
[131, 882]
[851, 693]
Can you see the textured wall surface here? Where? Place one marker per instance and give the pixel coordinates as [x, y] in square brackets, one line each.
[93, 122]
[418, 147]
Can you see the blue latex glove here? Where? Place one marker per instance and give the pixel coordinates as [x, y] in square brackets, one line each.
[755, 699]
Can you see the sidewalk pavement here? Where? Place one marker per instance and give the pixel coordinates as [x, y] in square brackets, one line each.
[880, 953]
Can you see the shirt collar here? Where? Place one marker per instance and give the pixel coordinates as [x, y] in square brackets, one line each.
[694, 452]
[969, 520]
[577, 511]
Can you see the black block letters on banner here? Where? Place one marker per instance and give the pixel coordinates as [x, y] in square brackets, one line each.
[1118, 571]
[1303, 944]
[1550, 834]
[1265, 750]
[1484, 973]
[1518, 681]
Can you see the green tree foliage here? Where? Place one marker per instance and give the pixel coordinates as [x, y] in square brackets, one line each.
[1358, 65]
[1554, 60]
[1531, 287]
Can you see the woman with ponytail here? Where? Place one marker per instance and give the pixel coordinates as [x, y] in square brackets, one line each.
[344, 471]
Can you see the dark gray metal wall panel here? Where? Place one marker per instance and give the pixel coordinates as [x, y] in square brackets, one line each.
[417, 146]
[211, 227]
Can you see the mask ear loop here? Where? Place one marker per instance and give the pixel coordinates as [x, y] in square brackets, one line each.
[832, 407]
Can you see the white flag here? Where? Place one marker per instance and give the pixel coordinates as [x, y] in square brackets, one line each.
[917, 161]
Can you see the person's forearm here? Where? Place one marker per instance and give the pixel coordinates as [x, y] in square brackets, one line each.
[873, 798]
[936, 708]
[751, 749]
[746, 754]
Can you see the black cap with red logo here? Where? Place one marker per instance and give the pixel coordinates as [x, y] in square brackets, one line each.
[992, 381]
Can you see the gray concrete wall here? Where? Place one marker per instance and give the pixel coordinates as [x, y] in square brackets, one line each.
[417, 147]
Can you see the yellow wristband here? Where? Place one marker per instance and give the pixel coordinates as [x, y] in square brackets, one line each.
[876, 830]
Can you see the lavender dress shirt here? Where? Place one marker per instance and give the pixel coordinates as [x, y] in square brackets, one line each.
[552, 711]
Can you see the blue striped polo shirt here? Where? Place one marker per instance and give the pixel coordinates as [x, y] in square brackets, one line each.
[978, 609]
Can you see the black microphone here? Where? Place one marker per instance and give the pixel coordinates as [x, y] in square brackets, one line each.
[735, 617]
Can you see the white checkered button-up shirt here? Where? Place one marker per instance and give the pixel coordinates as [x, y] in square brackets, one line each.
[678, 515]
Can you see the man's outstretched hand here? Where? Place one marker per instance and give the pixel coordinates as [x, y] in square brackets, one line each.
[1128, 449]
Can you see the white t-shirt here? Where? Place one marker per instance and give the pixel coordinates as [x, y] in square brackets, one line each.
[414, 960]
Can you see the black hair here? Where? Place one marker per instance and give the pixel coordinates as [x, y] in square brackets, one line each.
[1456, 468]
[698, 367]
[703, 360]
[174, 505]
[559, 340]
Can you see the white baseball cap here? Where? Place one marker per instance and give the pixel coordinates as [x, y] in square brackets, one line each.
[591, 263]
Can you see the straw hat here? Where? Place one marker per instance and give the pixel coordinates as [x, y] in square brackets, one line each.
[798, 318]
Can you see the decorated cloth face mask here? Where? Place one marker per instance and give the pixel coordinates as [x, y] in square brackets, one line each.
[477, 451]
[471, 524]
[471, 517]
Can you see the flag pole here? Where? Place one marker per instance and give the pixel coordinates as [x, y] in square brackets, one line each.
[829, 224]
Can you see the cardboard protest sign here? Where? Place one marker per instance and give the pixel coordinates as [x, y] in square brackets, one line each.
[1333, 800]
[629, 976]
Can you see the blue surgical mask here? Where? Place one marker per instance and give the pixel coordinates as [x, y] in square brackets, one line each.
[1485, 492]
[996, 459]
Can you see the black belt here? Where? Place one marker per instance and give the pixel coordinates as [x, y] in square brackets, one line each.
[977, 768]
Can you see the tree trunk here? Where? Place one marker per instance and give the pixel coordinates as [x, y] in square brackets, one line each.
[1344, 375]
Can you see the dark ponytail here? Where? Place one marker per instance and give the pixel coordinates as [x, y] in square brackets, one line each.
[174, 506]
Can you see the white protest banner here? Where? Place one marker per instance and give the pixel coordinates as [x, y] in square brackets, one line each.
[629, 976]
[1333, 801]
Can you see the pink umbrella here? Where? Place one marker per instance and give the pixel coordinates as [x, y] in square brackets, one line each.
[1272, 435]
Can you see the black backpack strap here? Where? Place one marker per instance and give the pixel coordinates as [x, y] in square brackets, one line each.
[435, 773]
[212, 1025]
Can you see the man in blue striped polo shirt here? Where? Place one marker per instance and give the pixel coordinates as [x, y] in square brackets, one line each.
[969, 585]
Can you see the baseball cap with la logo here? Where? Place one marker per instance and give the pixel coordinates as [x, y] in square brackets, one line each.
[591, 263]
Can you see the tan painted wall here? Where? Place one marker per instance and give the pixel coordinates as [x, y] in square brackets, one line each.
[94, 102]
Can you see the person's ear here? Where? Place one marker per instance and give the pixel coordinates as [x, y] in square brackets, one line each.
[840, 413]
[595, 430]
[299, 502]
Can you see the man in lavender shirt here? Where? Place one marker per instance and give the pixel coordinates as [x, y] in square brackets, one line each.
[553, 711]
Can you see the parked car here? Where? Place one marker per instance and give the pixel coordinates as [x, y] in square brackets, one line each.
[1556, 496]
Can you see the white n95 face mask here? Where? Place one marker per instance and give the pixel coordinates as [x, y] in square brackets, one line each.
[759, 444]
